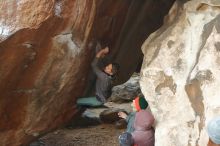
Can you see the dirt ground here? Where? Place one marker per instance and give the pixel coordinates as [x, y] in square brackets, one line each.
[86, 131]
[101, 135]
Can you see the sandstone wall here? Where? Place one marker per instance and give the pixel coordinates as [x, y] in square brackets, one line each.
[46, 47]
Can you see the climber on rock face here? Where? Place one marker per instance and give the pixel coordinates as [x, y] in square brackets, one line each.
[104, 81]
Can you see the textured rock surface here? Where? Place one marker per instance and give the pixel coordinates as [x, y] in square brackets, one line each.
[126, 92]
[46, 47]
[45, 54]
[180, 73]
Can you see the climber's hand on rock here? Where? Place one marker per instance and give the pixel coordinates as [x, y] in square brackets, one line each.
[105, 50]
[102, 52]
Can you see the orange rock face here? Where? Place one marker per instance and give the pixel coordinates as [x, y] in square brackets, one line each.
[45, 57]
[46, 47]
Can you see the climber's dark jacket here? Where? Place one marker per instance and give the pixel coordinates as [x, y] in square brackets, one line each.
[103, 82]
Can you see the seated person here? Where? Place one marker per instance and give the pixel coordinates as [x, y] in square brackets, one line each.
[139, 103]
[104, 81]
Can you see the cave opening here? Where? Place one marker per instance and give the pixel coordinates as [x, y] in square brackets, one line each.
[124, 28]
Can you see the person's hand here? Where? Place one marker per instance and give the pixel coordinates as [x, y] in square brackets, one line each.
[105, 50]
[102, 52]
[122, 115]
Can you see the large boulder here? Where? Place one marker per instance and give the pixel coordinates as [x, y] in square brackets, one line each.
[126, 92]
[46, 47]
[180, 73]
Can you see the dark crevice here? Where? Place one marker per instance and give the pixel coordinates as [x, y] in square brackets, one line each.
[195, 95]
